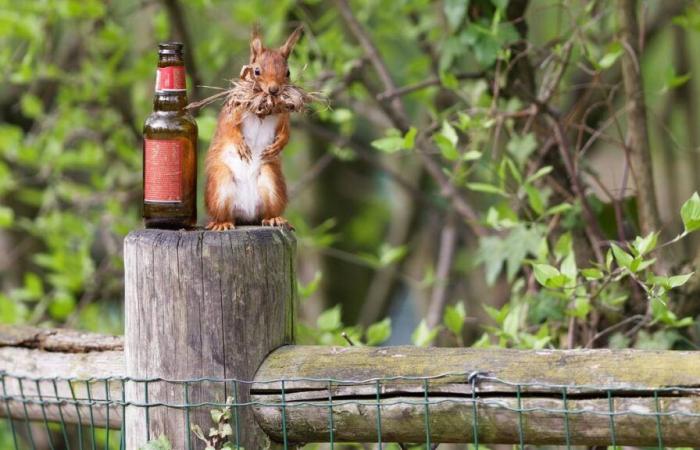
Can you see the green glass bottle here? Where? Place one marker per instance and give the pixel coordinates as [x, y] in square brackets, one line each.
[170, 148]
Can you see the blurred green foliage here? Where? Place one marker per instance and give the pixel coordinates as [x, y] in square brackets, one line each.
[78, 78]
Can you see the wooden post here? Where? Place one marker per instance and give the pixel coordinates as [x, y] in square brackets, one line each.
[202, 304]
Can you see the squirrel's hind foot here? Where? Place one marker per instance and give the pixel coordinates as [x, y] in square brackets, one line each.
[220, 226]
[277, 222]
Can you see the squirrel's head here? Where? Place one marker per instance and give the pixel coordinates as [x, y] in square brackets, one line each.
[268, 66]
[264, 87]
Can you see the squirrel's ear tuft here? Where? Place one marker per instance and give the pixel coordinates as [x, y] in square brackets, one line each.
[288, 46]
[256, 47]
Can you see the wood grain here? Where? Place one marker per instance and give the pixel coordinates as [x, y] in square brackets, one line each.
[58, 340]
[203, 304]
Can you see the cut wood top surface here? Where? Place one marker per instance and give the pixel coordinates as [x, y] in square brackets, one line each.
[242, 232]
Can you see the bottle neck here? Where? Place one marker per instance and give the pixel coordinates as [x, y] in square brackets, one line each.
[170, 101]
[171, 84]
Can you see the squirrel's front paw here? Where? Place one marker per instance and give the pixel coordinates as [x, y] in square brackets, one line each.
[277, 222]
[269, 154]
[220, 226]
[245, 153]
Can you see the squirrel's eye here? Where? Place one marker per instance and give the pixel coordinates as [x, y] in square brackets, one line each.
[256, 71]
[287, 73]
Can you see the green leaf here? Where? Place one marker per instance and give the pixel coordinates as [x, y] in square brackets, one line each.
[216, 415]
[613, 52]
[498, 315]
[544, 273]
[329, 320]
[162, 443]
[379, 332]
[389, 255]
[623, 258]
[608, 260]
[409, 139]
[33, 285]
[31, 106]
[592, 274]
[486, 188]
[558, 209]
[62, 306]
[455, 10]
[454, 318]
[563, 246]
[679, 280]
[521, 147]
[619, 340]
[391, 144]
[690, 213]
[512, 321]
[339, 115]
[446, 140]
[674, 80]
[582, 306]
[308, 289]
[568, 268]
[225, 430]
[7, 217]
[539, 174]
[449, 132]
[447, 149]
[660, 311]
[471, 155]
[534, 197]
[646, 244]
[659, 340]
[423, 336]
[449, 80]
[514, 172]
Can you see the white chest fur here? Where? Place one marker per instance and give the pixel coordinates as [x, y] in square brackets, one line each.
[258, 134]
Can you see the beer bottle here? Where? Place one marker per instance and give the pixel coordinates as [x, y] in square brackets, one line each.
[170, 148]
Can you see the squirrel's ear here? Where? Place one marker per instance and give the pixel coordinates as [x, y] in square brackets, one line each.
[256, 46]
[286, 49]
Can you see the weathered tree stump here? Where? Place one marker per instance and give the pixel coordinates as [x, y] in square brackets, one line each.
[202, 304]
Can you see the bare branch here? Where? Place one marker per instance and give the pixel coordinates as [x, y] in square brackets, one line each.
[177, 17]
[637, 132]
[591, 224]
[310, 174]
[439, 297]
[434, 81]
[374, 58]
[398, 115]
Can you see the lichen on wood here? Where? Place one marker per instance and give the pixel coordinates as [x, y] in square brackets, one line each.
[595, 384]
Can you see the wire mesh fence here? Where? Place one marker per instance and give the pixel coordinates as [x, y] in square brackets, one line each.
[473, 409]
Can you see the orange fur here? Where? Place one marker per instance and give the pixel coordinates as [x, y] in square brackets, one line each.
[272, 72]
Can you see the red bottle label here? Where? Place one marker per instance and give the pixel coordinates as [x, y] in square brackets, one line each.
[162, 176]
[171, 78]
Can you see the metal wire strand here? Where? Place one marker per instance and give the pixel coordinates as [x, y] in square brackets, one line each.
[27, 399]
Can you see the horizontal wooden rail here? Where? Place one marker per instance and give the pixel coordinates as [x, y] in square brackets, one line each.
[634, 384]
[40, 361]
[589, 384]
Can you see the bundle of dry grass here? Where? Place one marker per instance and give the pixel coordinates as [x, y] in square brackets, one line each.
[246, 94]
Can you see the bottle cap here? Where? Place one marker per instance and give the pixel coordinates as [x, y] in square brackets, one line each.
[170, 48]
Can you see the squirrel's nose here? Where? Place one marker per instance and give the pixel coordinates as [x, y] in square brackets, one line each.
[274, 89]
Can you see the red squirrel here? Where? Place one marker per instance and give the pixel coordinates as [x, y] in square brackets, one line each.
[244, 182]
